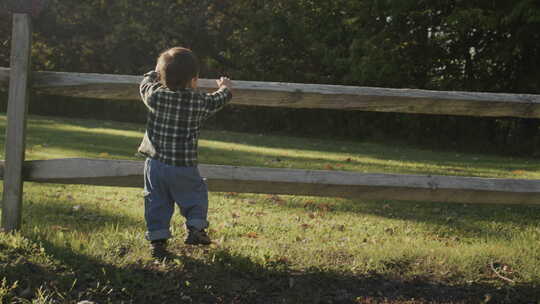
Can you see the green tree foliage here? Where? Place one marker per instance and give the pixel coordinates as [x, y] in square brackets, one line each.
[300, 41]
[119, 36]
[455, 45]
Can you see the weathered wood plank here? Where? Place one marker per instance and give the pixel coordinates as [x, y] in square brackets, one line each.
[296, 95]
[16, 121]
[299, 182]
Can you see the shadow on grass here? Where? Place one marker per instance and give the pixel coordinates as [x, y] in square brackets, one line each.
[42, 130]
[75, 143]
[446, 220]
[243, 158]
[61, 208]
[222, 277]
[375, 151]
[497, 222]
[43, 133]
[216, 275]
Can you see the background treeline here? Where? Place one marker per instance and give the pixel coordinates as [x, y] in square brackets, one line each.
[491, 46]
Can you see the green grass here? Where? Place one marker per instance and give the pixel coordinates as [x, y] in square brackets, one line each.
[59, 138]
[270, 249]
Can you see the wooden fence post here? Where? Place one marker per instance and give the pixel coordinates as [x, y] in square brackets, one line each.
[16, 121]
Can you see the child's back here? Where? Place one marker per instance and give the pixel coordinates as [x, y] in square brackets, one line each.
[176, 113]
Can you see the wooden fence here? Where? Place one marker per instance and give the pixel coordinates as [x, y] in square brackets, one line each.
[124, 173]
[248, 179]
[297, 95]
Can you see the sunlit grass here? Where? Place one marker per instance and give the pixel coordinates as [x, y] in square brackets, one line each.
[86, 243]
[58, 138]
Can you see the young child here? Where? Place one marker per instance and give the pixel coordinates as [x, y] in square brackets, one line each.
[176, 112]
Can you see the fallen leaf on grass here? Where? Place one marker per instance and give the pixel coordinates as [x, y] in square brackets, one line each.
[309, 204]
[276, 199]
[305, 226]
[324, 207]
[283, 260]
[252, 235]
[328, 167]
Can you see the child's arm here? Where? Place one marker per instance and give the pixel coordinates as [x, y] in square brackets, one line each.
[149, 85]
[215, 101]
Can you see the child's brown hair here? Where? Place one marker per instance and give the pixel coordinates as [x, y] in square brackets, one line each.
[177, 66]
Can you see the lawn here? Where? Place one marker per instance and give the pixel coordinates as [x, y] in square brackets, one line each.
[85, 243]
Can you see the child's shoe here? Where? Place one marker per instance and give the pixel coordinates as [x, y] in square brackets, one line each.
[197, 237]
[158, 249]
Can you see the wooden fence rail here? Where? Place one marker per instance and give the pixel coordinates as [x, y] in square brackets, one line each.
[20, 60]
[431, 188]
[296, 95]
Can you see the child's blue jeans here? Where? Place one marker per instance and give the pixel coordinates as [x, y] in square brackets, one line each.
[163, 186]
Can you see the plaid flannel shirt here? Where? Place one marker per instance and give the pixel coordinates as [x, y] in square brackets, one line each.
[174, 120]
